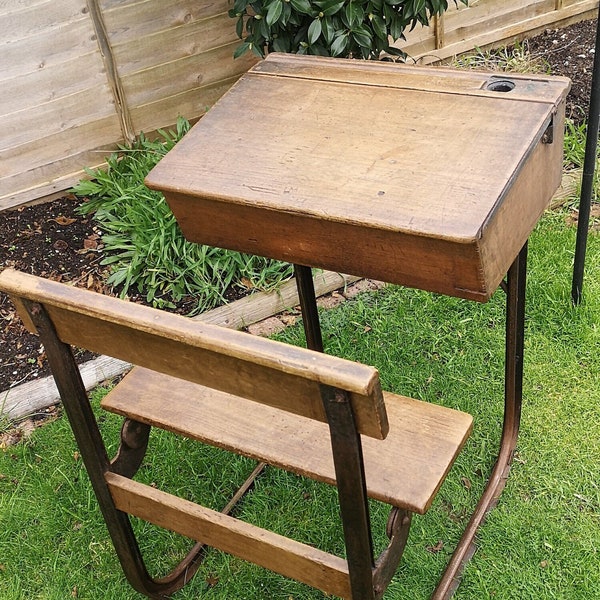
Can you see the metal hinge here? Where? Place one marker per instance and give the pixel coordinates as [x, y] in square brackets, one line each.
[548, 136]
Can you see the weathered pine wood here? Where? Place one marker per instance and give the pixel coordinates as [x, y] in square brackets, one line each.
[31, 18]
[203, 353]
[11, 6]
[281, 188]
[257, 307]
[184, 75]
[39, 151]
[201, 36]
[167, 58]
[132, 20]
[36, 86]
[28, 398]
[404, 470]
[54, 35]
[20, 128]
[265, 548]
[56, 106]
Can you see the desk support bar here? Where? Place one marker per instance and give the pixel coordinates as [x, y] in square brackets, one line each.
[513, 391]
[308, 306]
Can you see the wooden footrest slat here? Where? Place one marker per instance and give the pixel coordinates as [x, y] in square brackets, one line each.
[404, 470]
[244, 540]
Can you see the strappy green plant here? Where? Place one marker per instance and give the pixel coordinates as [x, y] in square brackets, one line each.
[143, 244]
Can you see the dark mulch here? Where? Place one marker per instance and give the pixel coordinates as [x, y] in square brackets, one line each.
[570, 52]
[52, 241]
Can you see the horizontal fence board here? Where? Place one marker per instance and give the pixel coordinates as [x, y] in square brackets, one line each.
[8, 7]
[50, 48]
[39, 18]
[482, 17]
[44, 152]
[487, 23]
[132, 20]
[152, 116]
[184, 75]
[171, 59]
[170, 45]
[51, 187]
[55, 117]
[48, 85]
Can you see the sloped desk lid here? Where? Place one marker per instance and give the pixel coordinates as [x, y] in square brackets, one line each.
[428, 177]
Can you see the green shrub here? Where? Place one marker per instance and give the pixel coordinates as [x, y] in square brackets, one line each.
[354, 29]
[143, 244]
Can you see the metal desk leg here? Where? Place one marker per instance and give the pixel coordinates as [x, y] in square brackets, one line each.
[308, 305]
[515, 325]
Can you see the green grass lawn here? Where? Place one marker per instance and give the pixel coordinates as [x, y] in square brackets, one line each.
[542, 542]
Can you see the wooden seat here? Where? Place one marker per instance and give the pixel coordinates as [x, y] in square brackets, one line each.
[313, 414]
[427, 437]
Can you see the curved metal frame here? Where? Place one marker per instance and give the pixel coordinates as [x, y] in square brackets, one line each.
[134, 439]
[514, 286]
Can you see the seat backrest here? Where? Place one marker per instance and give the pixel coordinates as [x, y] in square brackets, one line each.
[262, 370]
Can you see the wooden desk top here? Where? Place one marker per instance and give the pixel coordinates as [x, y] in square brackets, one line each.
[415, 175]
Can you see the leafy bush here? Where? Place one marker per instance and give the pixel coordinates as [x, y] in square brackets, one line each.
[349, 28]
[143, 243]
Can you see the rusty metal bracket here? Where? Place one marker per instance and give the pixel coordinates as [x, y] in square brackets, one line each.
[134, 443]
[397, 529]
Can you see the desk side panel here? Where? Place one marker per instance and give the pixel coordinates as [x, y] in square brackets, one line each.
[528, 196]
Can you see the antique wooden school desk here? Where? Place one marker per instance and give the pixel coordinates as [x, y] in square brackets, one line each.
[427, 177]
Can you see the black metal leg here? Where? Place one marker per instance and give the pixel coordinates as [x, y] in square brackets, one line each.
[515, 327]
[93, 452]
[352, 490]
[587, 183]
[308, 305]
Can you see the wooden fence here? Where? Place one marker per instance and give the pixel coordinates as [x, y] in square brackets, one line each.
[79, 76]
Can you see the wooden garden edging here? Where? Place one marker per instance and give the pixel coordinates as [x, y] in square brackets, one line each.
[78, 76]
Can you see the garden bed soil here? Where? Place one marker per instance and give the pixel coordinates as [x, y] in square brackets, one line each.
[52, 240]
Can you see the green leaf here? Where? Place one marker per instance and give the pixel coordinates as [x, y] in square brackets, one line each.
[340, 43]
[379, 27]
[282, 43]
[362, 36]
[287, 13]
[328, 29]
[257, 50]
[239, 27]
[314, 31]
[274, 12]
[301, 6]
[319, 50]
[354, 14]
[330, 7]
[396, 29]
[241, 49]
[395, 51]
[239, 6]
